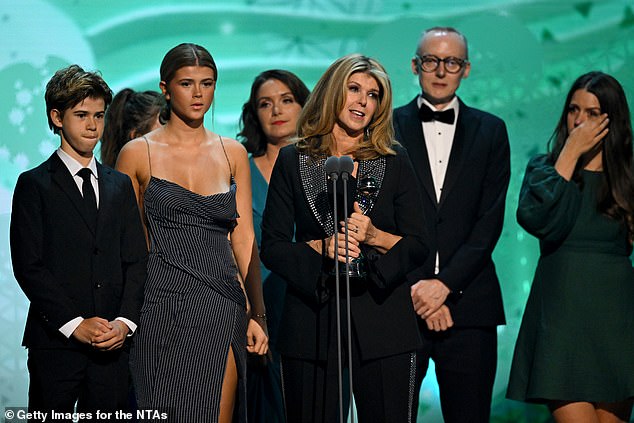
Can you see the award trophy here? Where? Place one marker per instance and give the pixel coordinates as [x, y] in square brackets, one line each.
[356, 266]
[367, 187]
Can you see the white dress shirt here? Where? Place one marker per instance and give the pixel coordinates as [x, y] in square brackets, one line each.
[74, 167]
[439, 140]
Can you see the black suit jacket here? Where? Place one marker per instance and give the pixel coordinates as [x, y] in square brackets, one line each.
[381, 306]
[465, 225]
[66, 267]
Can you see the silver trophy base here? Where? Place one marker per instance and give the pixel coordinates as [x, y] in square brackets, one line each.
[356, 268]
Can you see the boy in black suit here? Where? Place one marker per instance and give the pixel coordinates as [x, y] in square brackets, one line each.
[79, 255]
[461, 157]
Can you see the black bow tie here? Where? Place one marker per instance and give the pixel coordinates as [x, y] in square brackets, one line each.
[426, 115]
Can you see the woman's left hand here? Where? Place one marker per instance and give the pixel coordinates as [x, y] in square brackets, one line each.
[360, 226]
[257, 338]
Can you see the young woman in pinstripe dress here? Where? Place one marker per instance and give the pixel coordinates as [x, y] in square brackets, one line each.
[194, 189]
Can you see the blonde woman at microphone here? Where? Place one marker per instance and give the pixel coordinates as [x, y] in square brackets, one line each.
[349, 114]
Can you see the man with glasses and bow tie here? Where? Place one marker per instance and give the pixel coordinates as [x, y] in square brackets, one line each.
[79, 254]
[462, 161]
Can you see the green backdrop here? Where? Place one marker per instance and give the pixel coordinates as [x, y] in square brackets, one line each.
[524, 54]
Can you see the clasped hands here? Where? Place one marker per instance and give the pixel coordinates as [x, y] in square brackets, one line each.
[101, 334]
[428, 297]
[360, 230]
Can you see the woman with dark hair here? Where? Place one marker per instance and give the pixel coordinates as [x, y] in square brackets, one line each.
[575, 347]
[268, 121]
[131, 115]
[256, 131]
[194, 187]
[349, 113]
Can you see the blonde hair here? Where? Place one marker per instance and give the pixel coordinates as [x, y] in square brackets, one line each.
[318, 117]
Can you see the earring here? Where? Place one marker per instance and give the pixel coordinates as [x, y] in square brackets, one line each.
[367, 132]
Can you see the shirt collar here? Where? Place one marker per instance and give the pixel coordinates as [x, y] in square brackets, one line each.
[74, 166]
[453, 104]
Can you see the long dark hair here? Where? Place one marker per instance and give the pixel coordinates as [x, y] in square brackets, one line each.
[185, 54]
[251, 133]
[616, 197]
[131, 114]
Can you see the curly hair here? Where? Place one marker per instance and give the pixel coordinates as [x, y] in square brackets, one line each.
[251, 133]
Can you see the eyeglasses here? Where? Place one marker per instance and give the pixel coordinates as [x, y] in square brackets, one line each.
[430, 63]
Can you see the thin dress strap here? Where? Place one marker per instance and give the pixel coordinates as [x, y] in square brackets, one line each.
[226, 156]
[149, 160]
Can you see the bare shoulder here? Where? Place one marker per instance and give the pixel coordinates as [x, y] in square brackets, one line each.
[233, 145]
[235, 150]
[134, 148]
[134, 159]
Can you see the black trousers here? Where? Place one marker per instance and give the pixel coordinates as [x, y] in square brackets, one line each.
[95, 380]
[465, 361]
[383, 388]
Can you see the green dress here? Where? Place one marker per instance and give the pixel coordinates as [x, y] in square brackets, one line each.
[576, 341]
[264, 380]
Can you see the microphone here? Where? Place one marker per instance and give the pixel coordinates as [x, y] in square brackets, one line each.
[346, 166]
[332, 167]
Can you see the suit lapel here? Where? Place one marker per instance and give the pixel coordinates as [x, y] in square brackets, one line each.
[417, 149]
[106, 194]
[62, 177]
[464, 137]
[314, 184]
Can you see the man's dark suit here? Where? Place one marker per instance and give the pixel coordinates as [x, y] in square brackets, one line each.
[68, 268]
[464, 227]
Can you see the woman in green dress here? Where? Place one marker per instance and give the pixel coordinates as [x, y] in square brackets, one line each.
[575, 348]
[268, 122]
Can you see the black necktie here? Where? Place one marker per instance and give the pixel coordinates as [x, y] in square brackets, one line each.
[90, 200]
[426, 115]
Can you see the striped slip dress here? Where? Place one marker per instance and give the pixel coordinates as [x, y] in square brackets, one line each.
[193, 308]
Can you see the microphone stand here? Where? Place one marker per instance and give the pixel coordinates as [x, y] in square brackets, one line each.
[346, 166]
[332, 168]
